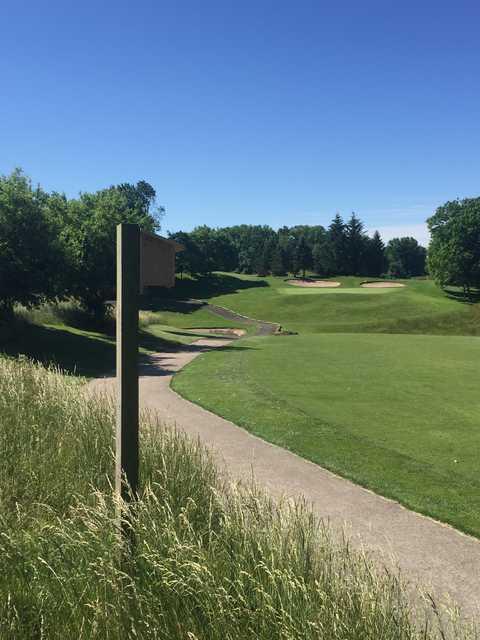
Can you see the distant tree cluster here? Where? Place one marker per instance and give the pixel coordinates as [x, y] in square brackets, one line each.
[342, 249]
[53, 247]
[454, 252]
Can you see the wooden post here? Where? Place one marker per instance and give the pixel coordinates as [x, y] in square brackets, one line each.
[128, 276]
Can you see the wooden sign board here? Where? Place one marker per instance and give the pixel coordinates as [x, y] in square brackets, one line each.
[157, 261]
[143, 260]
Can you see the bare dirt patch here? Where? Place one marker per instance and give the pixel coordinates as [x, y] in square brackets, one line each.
[382, 285]
[314, 283]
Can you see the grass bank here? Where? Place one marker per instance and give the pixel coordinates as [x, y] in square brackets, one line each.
[211, 561]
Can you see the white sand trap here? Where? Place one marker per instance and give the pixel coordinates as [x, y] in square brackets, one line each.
[314, 283]
[382, 285]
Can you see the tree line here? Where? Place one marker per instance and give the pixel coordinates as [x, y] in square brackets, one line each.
[344, 248]
[53, 247]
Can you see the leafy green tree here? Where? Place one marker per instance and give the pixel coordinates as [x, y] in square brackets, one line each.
[31, 255]
[263, 259]
[90, 236]
[204, 238]
[225, 253]
[454, 251]
[247, 241]
[287, 242]
[188, 260]
[278, 262]
[303, 256]
[406, 258]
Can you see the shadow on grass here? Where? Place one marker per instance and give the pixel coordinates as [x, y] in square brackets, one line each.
[158, 303]
[164, 364]
[216, 284]
[461, 296]
[90, 355]
[74, 352]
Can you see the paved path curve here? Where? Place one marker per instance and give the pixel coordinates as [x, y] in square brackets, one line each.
[428, 552]
[263, 328]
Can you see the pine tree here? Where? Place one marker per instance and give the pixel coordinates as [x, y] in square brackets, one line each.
[356, 241]
[376, 261]
[335, 257]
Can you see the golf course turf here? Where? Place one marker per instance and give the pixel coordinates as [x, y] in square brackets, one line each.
[382, 389]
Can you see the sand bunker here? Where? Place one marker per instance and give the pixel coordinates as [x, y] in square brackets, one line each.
[382, 285]
[224, 332]
[314, 283]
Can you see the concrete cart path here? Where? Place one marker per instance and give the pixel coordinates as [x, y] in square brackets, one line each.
[433, 554]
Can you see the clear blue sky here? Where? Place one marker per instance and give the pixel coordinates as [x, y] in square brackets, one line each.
[248, 111]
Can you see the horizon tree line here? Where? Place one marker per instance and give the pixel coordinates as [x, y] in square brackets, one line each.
[344, 248]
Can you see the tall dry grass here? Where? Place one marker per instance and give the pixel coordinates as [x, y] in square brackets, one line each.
[211, 561]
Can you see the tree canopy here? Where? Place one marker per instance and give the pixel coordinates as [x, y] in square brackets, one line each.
[55, 247]
[454, 252]
[31, 255]
[406, 258]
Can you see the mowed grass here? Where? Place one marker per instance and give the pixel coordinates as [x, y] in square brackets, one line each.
[419, 307]
[397, 414]
[382, 389]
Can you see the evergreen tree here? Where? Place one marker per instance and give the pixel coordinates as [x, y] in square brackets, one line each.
[335, 254]
[376, 262]
[355, 243]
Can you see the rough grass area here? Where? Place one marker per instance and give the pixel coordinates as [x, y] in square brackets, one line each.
[396, 413]
[210, 561]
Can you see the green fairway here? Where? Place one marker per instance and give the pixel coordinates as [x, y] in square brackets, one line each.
[381, 386]
[398, 414]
